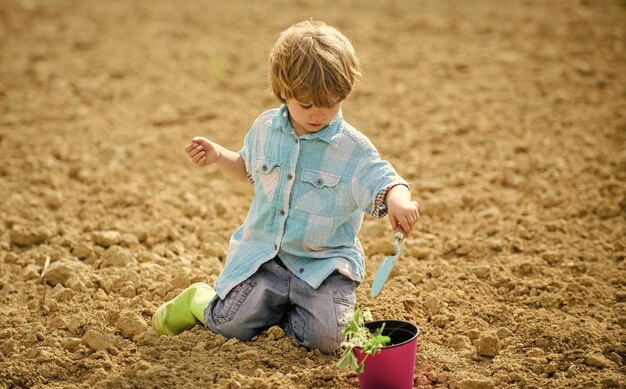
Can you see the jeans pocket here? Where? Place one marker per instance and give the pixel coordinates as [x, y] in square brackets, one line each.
[344, 306]
[233, 301]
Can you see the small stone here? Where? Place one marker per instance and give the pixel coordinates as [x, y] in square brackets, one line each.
[620, 296]
[488, 346]
[107, 238]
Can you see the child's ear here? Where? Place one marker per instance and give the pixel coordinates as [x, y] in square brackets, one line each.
[282, 96]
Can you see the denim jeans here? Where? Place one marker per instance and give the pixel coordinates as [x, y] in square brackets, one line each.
[314, 318]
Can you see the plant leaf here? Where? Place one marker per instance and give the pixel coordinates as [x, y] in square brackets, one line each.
[348, 360]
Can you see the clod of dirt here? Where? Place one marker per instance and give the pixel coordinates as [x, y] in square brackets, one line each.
[481, 272]
[535, 353]
[275, 333]
[131, 324]
[488, 346]
[97, 341]
[61, 272]
[116, 256]
[166, 114]
[29, 235]
[597, 360]
[474, 384]
[107, 238]
[460, 342]
[432, 305]
[61, 294]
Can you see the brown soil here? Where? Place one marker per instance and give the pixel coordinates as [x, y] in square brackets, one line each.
[508, 119]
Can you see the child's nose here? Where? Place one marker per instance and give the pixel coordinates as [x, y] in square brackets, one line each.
[318, 114]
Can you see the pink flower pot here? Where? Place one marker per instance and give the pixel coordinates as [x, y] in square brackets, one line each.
[393, 367]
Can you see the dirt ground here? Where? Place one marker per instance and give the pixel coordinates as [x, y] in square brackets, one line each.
[508, 118]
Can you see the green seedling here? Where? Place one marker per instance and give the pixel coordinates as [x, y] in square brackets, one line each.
[356, 335]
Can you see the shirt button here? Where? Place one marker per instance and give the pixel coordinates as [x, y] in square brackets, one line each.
[301, 270]
[289, 176]
[264, 168]
[282, 212]
[297, 140]
[319, 181]
[275, 247]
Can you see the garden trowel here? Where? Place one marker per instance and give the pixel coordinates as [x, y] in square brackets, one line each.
[387, 264]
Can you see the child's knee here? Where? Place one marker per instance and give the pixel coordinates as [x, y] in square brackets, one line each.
[325, 337]
[231, 330]
[327, 342]
[236, 326]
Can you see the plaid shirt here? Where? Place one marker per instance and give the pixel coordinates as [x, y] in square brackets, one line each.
[310, 195]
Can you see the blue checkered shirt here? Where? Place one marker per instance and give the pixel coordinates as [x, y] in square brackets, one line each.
[310, 195]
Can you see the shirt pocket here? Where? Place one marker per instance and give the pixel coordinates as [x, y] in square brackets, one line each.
[319, 192]
[266, 172]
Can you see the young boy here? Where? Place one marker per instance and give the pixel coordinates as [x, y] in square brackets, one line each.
[296, 261]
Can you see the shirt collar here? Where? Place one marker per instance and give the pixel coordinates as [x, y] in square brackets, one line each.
[329, 134]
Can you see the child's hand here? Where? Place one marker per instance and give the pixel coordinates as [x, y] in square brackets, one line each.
[202, 151]
[401, 210]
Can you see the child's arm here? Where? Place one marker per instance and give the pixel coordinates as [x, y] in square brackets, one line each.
[401, 210]
[204, 152]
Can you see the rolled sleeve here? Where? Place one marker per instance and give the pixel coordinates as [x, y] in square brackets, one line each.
[379, 209]
[372, 181]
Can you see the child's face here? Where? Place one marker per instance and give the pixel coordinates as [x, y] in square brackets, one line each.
[307, 118]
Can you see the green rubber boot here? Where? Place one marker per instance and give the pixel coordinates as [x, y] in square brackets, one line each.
[183, 311]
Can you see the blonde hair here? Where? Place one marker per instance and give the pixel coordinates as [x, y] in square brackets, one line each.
[313, 63]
